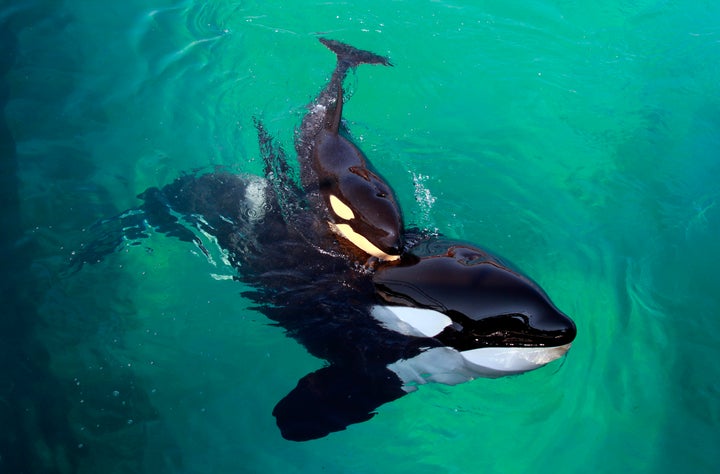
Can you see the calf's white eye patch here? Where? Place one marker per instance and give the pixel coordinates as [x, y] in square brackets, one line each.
[341, 209]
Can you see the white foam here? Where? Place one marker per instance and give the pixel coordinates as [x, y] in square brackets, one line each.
[256, 199]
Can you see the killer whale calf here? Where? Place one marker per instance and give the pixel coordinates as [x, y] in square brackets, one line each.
[359, 205]
[328, 259]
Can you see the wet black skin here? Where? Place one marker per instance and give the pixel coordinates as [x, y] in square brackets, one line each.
[490, 304]
[343, 171]
[305, 281]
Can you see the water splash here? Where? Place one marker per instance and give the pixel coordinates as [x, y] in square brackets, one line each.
[425, 201]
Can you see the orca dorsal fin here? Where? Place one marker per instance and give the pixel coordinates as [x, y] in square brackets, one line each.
[334, 126]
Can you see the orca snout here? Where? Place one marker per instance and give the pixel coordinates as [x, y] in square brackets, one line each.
[544, 327]
[558, 328]
[389, 239]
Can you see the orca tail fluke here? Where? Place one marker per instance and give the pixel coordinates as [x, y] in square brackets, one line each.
[352, 56]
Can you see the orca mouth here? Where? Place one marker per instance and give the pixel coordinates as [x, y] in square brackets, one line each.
[385, 237]
[361, 242]
[392, 246]
[499, 361]
[513, 330]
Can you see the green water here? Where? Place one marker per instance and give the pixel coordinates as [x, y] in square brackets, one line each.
[580, 140]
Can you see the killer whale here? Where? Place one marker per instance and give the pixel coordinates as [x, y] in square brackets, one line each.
[330, 261]
[361, 207]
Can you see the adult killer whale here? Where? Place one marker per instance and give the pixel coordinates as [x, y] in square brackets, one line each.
[329, 260]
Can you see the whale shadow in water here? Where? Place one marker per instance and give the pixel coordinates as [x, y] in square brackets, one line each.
[329, 260]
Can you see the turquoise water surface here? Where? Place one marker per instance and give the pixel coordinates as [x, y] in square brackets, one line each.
[580, 140]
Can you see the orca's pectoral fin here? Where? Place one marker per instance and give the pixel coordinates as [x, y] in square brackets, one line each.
[331, 399]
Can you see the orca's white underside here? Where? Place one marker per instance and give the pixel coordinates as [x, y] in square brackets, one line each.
[447, 365]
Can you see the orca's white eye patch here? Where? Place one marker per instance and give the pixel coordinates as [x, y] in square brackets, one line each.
[411, 321]
[341, 209]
